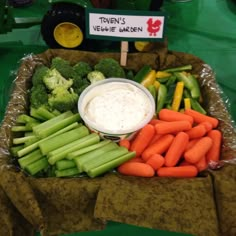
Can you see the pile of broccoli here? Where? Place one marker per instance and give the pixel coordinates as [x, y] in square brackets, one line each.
[57, 87]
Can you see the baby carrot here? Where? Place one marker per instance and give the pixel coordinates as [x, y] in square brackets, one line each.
[184, 163]
[197, 131]
[124, 143]
[199, 149]
[159, 147]
[176, 149]
[155, 121]
[142, 139]
[173, 127]
[136, 169]
[199, 117]
[170, 115]
[191, 143]
[178, 171]
[154, 139]
[201, 164]
[214, 153]
[208, 125]
[156, 161]
[136, 159]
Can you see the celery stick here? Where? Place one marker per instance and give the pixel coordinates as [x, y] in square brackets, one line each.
[84, 150]
[48, 123]
[15, 149]
[36, 115]
[67, 128]
[80, 160]
[22, 139]
[56, 112]
[103, 158]
[30, 158]
[30, 125]
[31, 141]
[37, 166]
[46, 131]
[67, 172]
[65, 164]
[28, 133]
[23, 118]
[45, 113]
[70, 146]
[24, 128]
[53, 143]
[29, 148]
[110, 165]
[20, 128]
[61, 153]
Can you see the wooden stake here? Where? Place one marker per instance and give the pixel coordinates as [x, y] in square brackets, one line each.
[124, 51]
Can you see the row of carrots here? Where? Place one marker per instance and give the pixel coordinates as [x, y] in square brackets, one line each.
[175, 144]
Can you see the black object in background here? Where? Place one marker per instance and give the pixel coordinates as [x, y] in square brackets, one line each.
[20, 3]
[156, 5]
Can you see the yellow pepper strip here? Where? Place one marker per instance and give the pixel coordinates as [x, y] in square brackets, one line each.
[177, 96]
[187, 103]
[156, 84]
[149, 79]
[143, 46]
[162, 74]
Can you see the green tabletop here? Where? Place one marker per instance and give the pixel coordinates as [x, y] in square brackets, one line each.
[207, 30]
[203, 28]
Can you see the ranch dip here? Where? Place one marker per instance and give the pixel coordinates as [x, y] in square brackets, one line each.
[116, 106]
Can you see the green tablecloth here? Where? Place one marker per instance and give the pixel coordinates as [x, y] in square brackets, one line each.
[207, 30]
[203, 28]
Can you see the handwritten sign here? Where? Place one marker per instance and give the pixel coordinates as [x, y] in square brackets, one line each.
[124, 25]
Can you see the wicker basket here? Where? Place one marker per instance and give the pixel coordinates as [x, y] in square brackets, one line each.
[55, 206]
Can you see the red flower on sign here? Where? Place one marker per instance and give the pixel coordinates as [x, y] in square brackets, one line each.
[153, 26]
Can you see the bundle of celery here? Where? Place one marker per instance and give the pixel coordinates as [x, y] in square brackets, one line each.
[62, 146]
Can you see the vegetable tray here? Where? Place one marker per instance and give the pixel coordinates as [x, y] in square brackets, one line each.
[200, 206]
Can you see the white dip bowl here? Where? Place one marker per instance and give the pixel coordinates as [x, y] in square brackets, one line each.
[116, 108]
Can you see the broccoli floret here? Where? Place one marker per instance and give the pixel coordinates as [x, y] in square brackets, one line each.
[62, 99]
[110, 68]
[38, 96]
[79, 84]
[82, 68]
[63, 67]
[95, 76]
[77, 80]
[38, 75]
[83, 86]
[54, 79]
